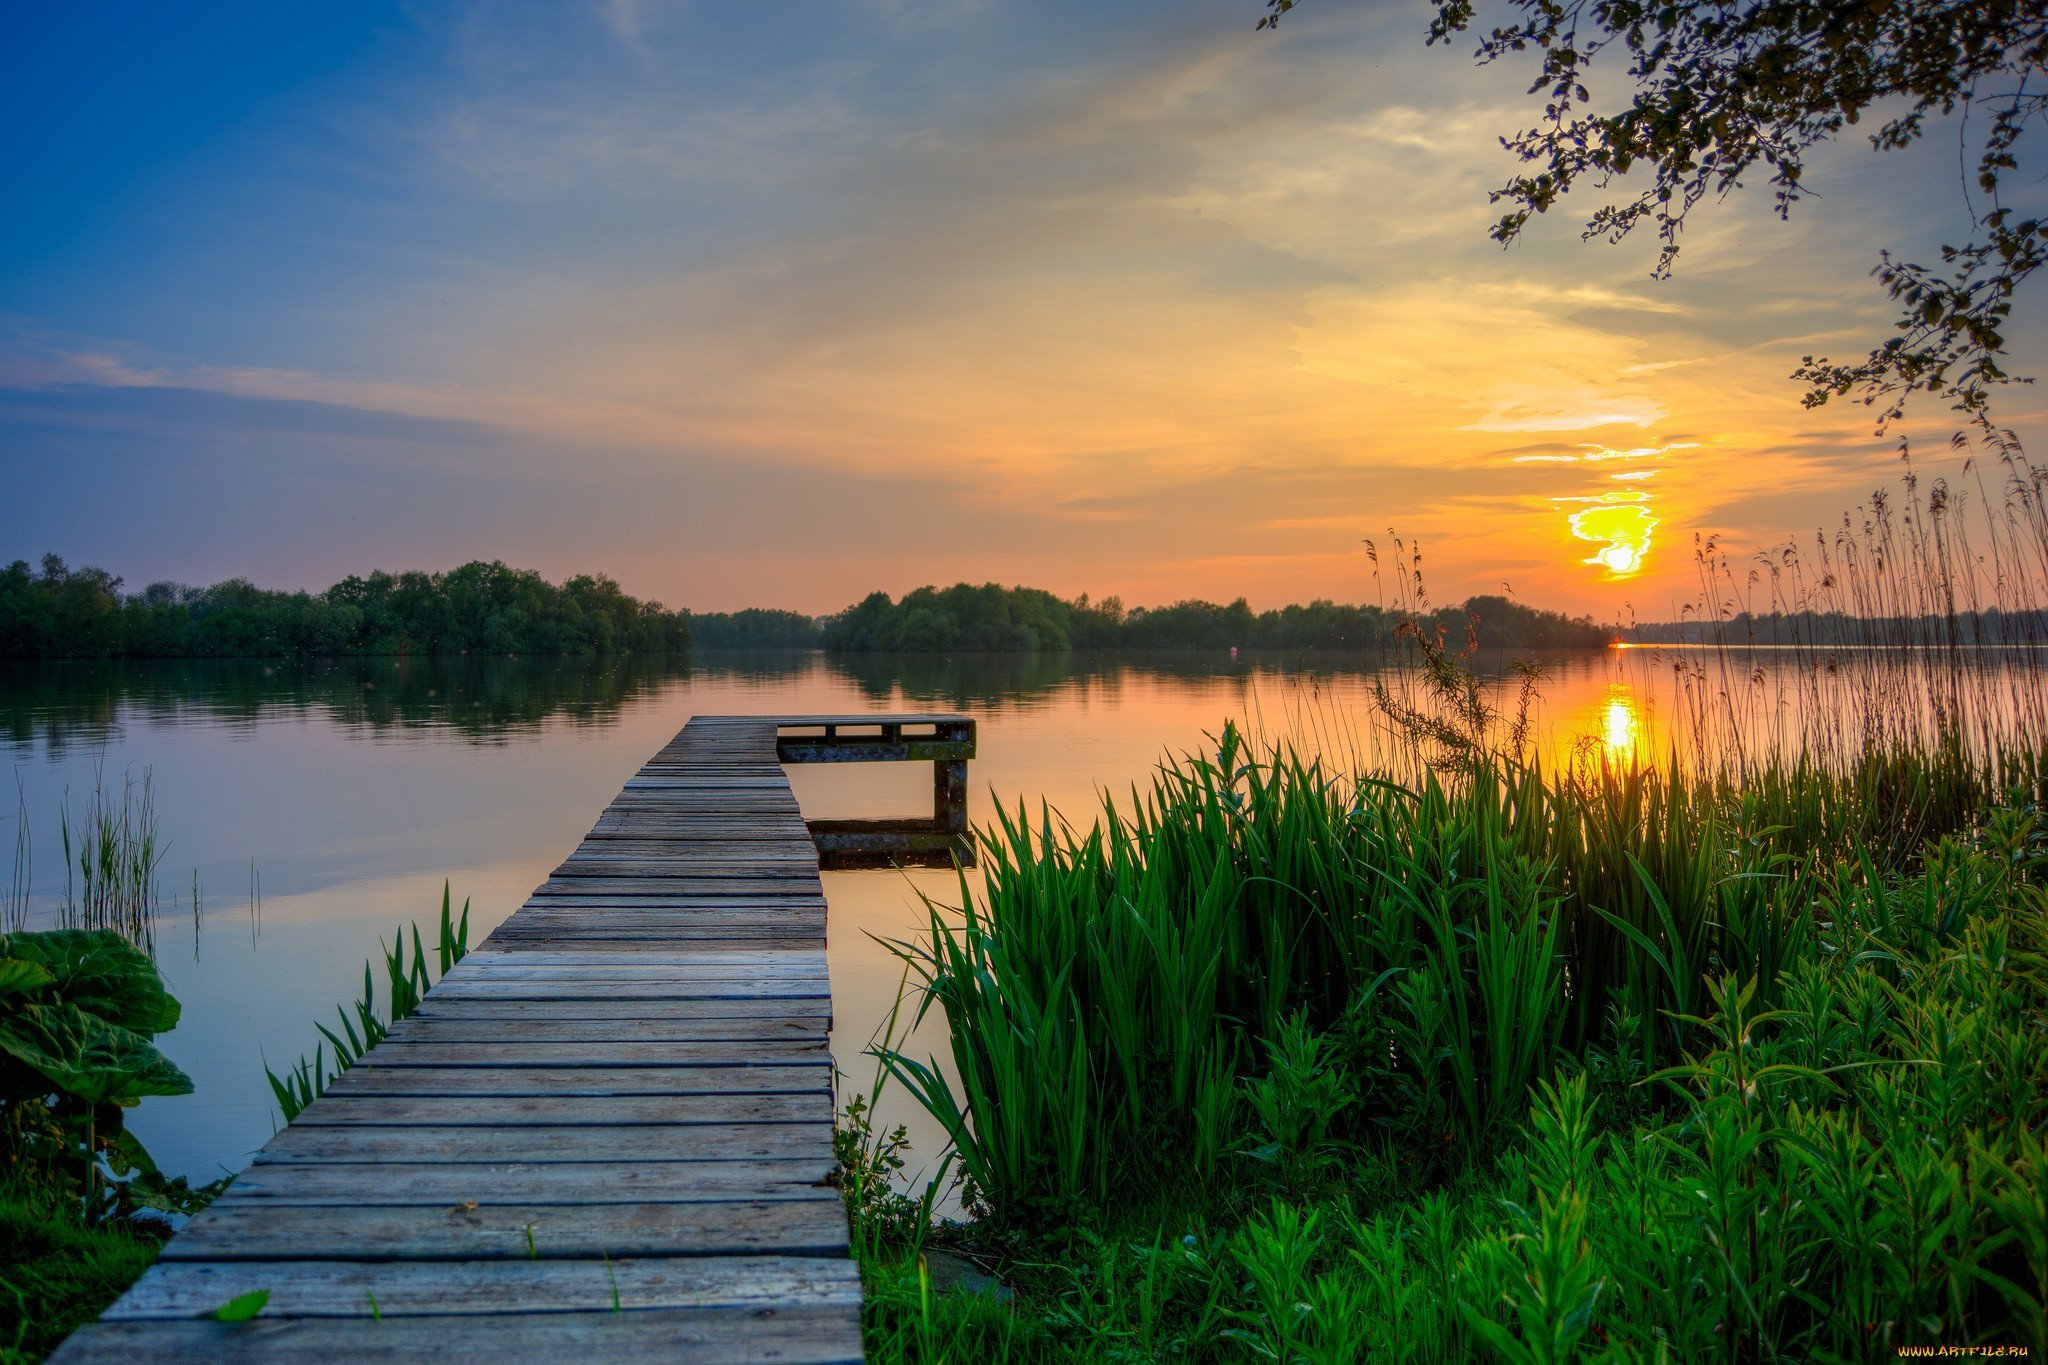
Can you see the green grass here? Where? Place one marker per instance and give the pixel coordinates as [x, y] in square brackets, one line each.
[57, 1273]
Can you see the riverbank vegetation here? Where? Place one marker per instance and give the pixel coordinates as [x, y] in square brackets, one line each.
[993, 618]
[83, 1208]
[479, 608]
[1436, 1045]
[1492, 1062]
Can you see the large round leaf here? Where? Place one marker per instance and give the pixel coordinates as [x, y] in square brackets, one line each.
[83, 1055]
[18, 976]
[100, 972]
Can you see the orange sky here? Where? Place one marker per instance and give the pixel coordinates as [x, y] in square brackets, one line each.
[758, 308]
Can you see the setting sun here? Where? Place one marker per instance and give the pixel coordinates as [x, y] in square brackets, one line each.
[1621, 524]
[1620, 559]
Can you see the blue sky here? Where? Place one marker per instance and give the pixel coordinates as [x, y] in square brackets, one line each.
[778, 304]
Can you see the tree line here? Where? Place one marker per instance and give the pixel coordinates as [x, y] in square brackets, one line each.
[480, 608]
[994, 618]
[754, 628]
[56, 611]
[1839, 630]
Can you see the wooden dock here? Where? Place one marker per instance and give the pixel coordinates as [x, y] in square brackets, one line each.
[606, 1134]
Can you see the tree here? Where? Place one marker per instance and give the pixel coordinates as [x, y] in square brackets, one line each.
[1724, 87]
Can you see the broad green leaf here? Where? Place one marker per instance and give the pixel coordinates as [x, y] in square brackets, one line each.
[19, 975]
[83, 1055]
[241, 1307]
[100, 972]
[127, 1156]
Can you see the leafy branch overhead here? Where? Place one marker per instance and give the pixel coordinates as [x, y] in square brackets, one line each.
[1727, 88]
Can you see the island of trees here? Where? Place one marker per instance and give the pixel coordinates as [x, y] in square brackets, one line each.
[60, 612]
[991, 617]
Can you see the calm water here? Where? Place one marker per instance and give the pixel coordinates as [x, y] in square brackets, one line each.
[318, 807]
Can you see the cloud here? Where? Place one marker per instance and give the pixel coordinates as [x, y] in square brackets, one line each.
[145, 408]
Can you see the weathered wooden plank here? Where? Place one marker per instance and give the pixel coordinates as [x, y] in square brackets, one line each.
[597, 988]
[700, 810]
[712, 931]
[708, 810]
[802, 967]
[669, 828]
[781, 852]
[569, 1142]
[722, 868]
[733, 1077]
[645, 941]
[487, 1008]
[725, 1040]
[250, 1231]
[524, 1182]
[699, 1336]
[343, 1289]
[701, 815]
[690, 900]
[775, 801]
[465, 1288]
[664, 853]
[778, 806]
[710, 891]
[354, 1109]
[570, 1049]
[714, 802]
[631, 943]
[842, 719]
[680, 959]
[732, 913]
[696, 884]
[633, 974]
[683, 907]
[695, 777]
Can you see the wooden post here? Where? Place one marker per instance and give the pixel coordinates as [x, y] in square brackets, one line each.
[949, 795]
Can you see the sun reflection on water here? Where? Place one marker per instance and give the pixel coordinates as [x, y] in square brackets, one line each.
[1620, 723]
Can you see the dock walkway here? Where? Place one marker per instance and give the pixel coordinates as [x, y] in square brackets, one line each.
[606, 1134]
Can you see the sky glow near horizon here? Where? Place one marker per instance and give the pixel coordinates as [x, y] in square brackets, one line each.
[777, 305]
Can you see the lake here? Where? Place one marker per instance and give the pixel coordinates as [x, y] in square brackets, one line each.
[307, 811]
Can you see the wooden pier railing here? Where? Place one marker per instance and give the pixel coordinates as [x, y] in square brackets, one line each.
[607, 1133]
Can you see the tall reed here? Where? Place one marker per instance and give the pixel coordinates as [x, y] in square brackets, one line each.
[406, 982]
[1920, 621]
[115, 854]
[14, 911]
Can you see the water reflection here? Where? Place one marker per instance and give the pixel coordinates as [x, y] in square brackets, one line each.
[70, 703]
[73, 704]
[1620, 723]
